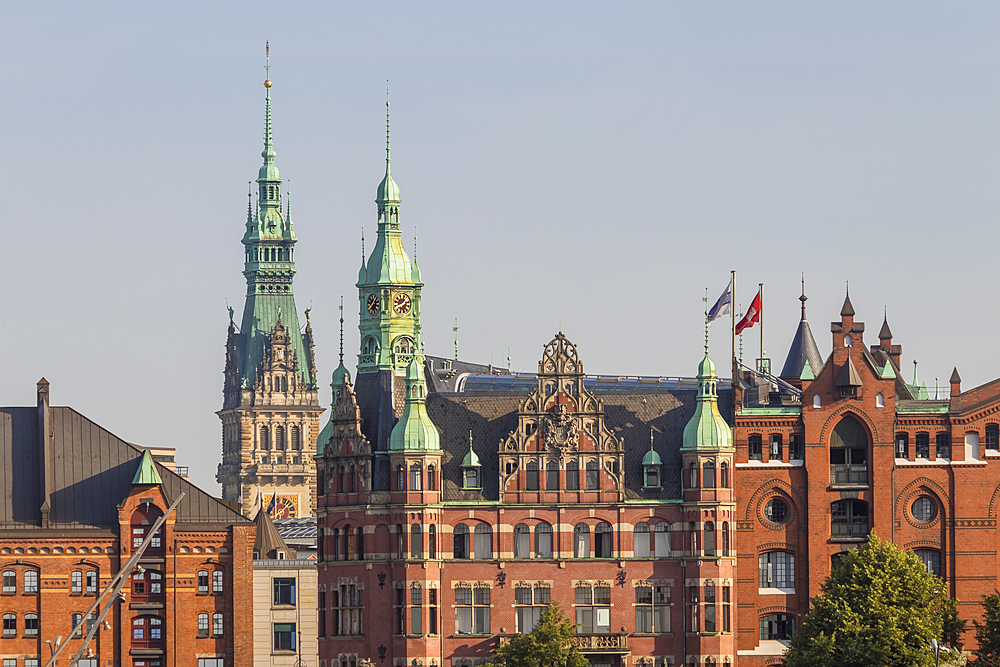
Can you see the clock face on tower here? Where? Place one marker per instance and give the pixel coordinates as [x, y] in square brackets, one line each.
[373, 304]
[285, 507]
[401, 303]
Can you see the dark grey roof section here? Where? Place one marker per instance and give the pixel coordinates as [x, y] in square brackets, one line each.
[885, 333]
[802, 349]
[848, 376]
[955, 377]
[374, 393]
[848, 309]
[492, 416]
[444, 375]
[268, 542]
[91, 473]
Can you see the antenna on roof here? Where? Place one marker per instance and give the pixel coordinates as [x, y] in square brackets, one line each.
[455, 329]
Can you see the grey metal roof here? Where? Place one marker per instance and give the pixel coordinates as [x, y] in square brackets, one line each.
[91, 473]
[802, 349]
[296, 529]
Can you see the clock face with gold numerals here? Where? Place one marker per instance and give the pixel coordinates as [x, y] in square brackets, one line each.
[373, 304]
[285, 507]
[401, 303]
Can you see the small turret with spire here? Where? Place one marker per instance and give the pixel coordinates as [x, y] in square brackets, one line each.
[803, 351]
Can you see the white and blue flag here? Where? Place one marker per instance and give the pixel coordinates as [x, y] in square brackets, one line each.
[724, 305]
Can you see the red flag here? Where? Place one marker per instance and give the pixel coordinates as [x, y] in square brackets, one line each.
[752, 316]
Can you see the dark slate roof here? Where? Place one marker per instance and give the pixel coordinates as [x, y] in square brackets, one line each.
[848, 376]
[885, 333]
[492, 416]
[848, 309]
[92, 472]
[268, 542]
[802, 349]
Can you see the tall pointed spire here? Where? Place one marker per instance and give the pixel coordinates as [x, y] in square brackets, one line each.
[803, 298]
[268, 170]
[803, 350]
[388, 191]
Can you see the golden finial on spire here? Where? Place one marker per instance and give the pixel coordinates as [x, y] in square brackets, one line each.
[267, 66]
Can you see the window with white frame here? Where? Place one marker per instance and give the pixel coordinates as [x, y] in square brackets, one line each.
[776, 569]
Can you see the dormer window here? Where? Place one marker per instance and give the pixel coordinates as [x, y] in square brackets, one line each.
[652, 477]
[470, 478]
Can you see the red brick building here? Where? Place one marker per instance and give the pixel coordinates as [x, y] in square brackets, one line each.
[858, 449]
[77, 500]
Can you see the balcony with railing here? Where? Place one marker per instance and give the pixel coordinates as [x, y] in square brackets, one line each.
[849, 474]
[615, 642]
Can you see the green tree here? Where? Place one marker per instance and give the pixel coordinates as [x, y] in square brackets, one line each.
[878, 608]
[550, 644]
[988, 633]
[954, 627]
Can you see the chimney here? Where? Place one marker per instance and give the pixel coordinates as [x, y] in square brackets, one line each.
[45, 454]
[956, 390]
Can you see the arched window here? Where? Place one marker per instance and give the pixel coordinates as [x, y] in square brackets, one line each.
[218, 625]
[370, 346]
[400, 542]
[776, 569]
[931, 558]
[416, 474]
[531, 476]
[349, 480]
[724, 475]
[725, 538]
[432, 542]
[31, 625]
[849, 453]
[850, 518]
[710, 538]
[9, 625]
[147, 586]
[202, 625]
[279, 438]
[484, 541]
[572, 476]
[141, 523]
[403, 345]
[641, 540]
[777, 626]
[360, 541]
[776, 447]
[147, 632]
[400, 478]
[296, 438]
[552, 476]
[708, 474]
[602, 540]
[30, 582]
[581, 541]
[348, 543]
[416, 542]
[693, 472]
[522, 541]
[817, 402]
[265, 438]
[592, 480]
[543, 540]
[461, 535]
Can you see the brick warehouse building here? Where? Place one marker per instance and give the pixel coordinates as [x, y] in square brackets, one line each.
[76, 500]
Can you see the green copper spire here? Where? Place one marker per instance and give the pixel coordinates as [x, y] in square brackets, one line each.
[146, 473]
[269, 268]
[388, 287]
[415, 431]
[471, 459]
[706, 428]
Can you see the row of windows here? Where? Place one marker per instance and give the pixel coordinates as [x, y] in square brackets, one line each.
[922, 442]
[648, 541]
[269, 254]
[708, 479]
[218, 625]
[775, 449]
[279, 431]
[471, 476]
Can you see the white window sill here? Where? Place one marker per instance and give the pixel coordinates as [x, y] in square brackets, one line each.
[768, 647]
[797, 463]
[775, 591]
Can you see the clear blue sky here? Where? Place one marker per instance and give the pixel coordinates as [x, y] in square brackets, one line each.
[584, 166]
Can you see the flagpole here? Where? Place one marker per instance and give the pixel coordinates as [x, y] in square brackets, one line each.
[761, 319]
[732, 327]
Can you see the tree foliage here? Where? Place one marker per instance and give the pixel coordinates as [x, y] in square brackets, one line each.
[878, 608]
[988, 633]
[550, 644]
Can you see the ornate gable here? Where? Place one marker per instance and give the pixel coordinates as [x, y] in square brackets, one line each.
[345, 448]
[560, 421]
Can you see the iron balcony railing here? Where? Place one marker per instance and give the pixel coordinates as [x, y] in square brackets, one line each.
[849, 473]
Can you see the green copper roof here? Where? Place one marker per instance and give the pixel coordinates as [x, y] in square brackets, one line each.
[707, 429]
[471, 459]
[807, 372]
[651, 458]
[887, 372]
[147, 474]
[415, 431]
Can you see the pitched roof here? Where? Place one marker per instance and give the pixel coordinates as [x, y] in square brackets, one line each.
[146, 473]
[885, 333]
[91, 472]
[803, 349]
[848, 376]
[269, 542]
[955, 377]
[848, 309]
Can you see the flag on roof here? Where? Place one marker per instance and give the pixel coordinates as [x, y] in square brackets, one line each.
[724, 305]
[752, 317]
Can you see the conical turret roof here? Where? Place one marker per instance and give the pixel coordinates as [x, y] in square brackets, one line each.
[269, 542]
[803, 348]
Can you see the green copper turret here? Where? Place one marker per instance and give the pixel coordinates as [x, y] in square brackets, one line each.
[706, 428]
[415, 431]
[388, 287]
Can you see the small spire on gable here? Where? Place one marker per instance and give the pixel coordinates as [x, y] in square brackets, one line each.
[848, 309]
[147, 474]
[885, 333]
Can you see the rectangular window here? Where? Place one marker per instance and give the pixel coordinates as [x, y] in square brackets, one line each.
[9, 625]
[592, 478]
[775, 449]
[203, 583]
[472, 611]
[211, 662]
[91, 583]
[415, 617]
[9, 583]
[652, 609]
[552, 477]
[902, 445]
[923, 445]
[432, 613]
[572, 477]
[754, 444]
[33, 662]
[593, 620]
[416, 475]
[993, 437]
[284, 636]
[202, 625]
[710, 618]
[10, 662]
[943, 446]
[531, 477]
[217, 582]
[31, 625]
[284, 591]
[796, 448]
[218, 625]
[76, 583]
